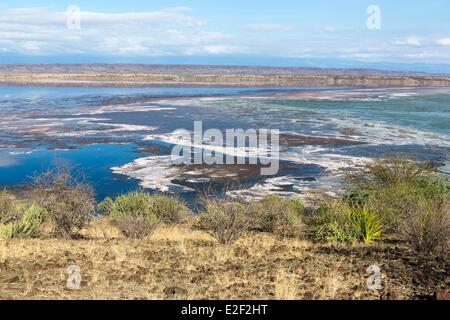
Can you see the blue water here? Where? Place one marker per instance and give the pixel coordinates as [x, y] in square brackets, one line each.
[40, 92]
[90, 163]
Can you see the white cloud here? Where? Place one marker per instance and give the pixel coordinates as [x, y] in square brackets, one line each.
[45, 16]
[443, 41]
[410, 41]
[267, 27]
[169, 31]
[221, 49]
[414, 41]
[177, 32]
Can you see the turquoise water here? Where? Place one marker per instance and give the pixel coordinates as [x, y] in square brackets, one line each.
[427, 112]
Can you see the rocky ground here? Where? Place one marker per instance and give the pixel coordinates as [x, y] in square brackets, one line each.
[179, 263]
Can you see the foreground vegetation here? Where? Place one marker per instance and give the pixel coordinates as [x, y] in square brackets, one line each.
[395, 214]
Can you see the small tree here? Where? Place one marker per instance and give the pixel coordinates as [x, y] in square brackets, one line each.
[381, 173]
[427, 228]
[69, 203]
[225, 220]
[278, 215]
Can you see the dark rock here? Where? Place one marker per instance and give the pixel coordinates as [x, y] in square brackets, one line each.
[13, 279]
[172, 291]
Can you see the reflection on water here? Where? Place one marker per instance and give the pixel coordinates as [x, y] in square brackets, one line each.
[7, 160]
[90, 162]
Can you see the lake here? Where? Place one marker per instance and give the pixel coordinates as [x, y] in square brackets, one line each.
[120, 138]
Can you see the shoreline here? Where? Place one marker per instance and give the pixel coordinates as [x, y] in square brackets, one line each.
[233, 81]
[135, 75]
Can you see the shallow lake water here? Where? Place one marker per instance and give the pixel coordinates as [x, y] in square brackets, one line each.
[120, 138]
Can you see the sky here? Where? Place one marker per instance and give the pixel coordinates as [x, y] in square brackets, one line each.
[398, 35]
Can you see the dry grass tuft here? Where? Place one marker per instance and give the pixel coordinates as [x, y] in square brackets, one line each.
[286, 286]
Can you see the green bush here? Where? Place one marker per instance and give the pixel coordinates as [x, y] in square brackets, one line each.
[357, 197]
[339, 222]
[395, 187]
[138, 213]
[330, 224]
[395, 204]
[27, 226]
[131, 213]
[224, 220]
[167, 209]
[381, 173]
[435, 188]
[134, 204]
[278, 215]
[141, 204]
[366, 223]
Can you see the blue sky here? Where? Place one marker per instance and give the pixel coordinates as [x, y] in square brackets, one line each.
[413, 35]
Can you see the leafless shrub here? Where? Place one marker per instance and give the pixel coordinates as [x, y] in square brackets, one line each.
[278, 215]
[69, 203]
[225, 220]
[427, 228]
[8, 208]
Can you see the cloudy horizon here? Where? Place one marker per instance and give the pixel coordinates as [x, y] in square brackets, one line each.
[324, 34]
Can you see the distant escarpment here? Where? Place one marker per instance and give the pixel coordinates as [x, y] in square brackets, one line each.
[191, 75]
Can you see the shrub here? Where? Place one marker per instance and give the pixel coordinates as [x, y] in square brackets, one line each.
[395, 204]
[8, 208]
[70, 204]
[427, 228]
[225, 220]
[106, 206]
[278, 215]
[357, 197]
[394, 187]
[132, 213]
[134, 204]
[27, 226]
[139, 203]
[394, 195]
[330, 224]
[339, 222]
[167, 209]
[366, 223]
[387, 173]
[435, 188]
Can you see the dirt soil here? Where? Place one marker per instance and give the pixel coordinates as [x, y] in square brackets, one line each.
[179, 263]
